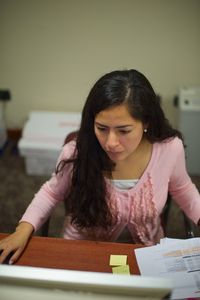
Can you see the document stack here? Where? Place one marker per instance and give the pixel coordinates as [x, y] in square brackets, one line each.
[178, 260]
[43, 137]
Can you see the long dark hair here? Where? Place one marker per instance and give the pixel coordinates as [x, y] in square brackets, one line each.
[87, 201]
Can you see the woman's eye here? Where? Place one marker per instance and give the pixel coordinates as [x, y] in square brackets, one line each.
[125, 131]
[101, 128]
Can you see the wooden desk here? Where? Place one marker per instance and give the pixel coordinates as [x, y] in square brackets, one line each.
[74, 254]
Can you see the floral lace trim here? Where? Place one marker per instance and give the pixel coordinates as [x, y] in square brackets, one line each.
[144, 221]
[144, 215]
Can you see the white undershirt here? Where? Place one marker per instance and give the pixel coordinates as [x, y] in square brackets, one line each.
[124, 184]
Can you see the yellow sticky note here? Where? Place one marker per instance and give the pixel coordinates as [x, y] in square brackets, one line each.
[121, 270]
[118, 260]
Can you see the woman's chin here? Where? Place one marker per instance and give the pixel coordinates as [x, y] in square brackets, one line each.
[115, 156]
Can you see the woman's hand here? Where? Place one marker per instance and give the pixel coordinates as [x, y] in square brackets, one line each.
[16, 242]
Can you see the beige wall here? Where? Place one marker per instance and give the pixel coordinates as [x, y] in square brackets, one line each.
[52, 51]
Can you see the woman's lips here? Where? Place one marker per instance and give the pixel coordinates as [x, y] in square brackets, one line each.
[113, 154]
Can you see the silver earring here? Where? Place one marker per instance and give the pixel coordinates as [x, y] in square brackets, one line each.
[145, 130]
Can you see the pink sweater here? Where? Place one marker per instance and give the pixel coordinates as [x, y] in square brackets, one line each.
[138, 208]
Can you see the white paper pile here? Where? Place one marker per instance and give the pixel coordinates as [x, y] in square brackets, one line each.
[178, 260]
[43, 137]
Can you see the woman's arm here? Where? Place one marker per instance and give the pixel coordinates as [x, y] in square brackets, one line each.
[50, 194]
[45, 200]
[182, 189]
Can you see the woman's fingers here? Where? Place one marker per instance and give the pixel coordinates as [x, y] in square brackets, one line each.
[14, 244]
[5, 257]
[13, 257]
[10, 249]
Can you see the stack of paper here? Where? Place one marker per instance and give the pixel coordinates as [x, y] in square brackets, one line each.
[178, 260]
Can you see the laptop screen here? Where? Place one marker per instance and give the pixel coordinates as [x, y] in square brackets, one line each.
[18, 282]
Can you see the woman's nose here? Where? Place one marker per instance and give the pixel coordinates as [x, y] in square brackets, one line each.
[112, 140]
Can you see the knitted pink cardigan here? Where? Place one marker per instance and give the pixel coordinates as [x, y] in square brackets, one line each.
[138, 208]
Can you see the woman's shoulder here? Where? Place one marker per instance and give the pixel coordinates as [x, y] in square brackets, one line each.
[68, 150]
[172, 142]
[173, 145]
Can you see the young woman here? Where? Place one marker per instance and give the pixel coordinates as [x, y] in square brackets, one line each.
[114, 177]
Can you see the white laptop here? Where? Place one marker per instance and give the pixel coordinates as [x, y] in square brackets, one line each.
[31, 283]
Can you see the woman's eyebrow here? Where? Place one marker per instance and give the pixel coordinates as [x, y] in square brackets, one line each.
[119, 127]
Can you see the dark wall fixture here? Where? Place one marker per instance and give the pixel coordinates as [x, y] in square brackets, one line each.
[5, 95]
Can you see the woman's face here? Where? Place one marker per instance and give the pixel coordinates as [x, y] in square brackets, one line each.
[118, 133]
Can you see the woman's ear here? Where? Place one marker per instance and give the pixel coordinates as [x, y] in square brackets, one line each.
[146, 127]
